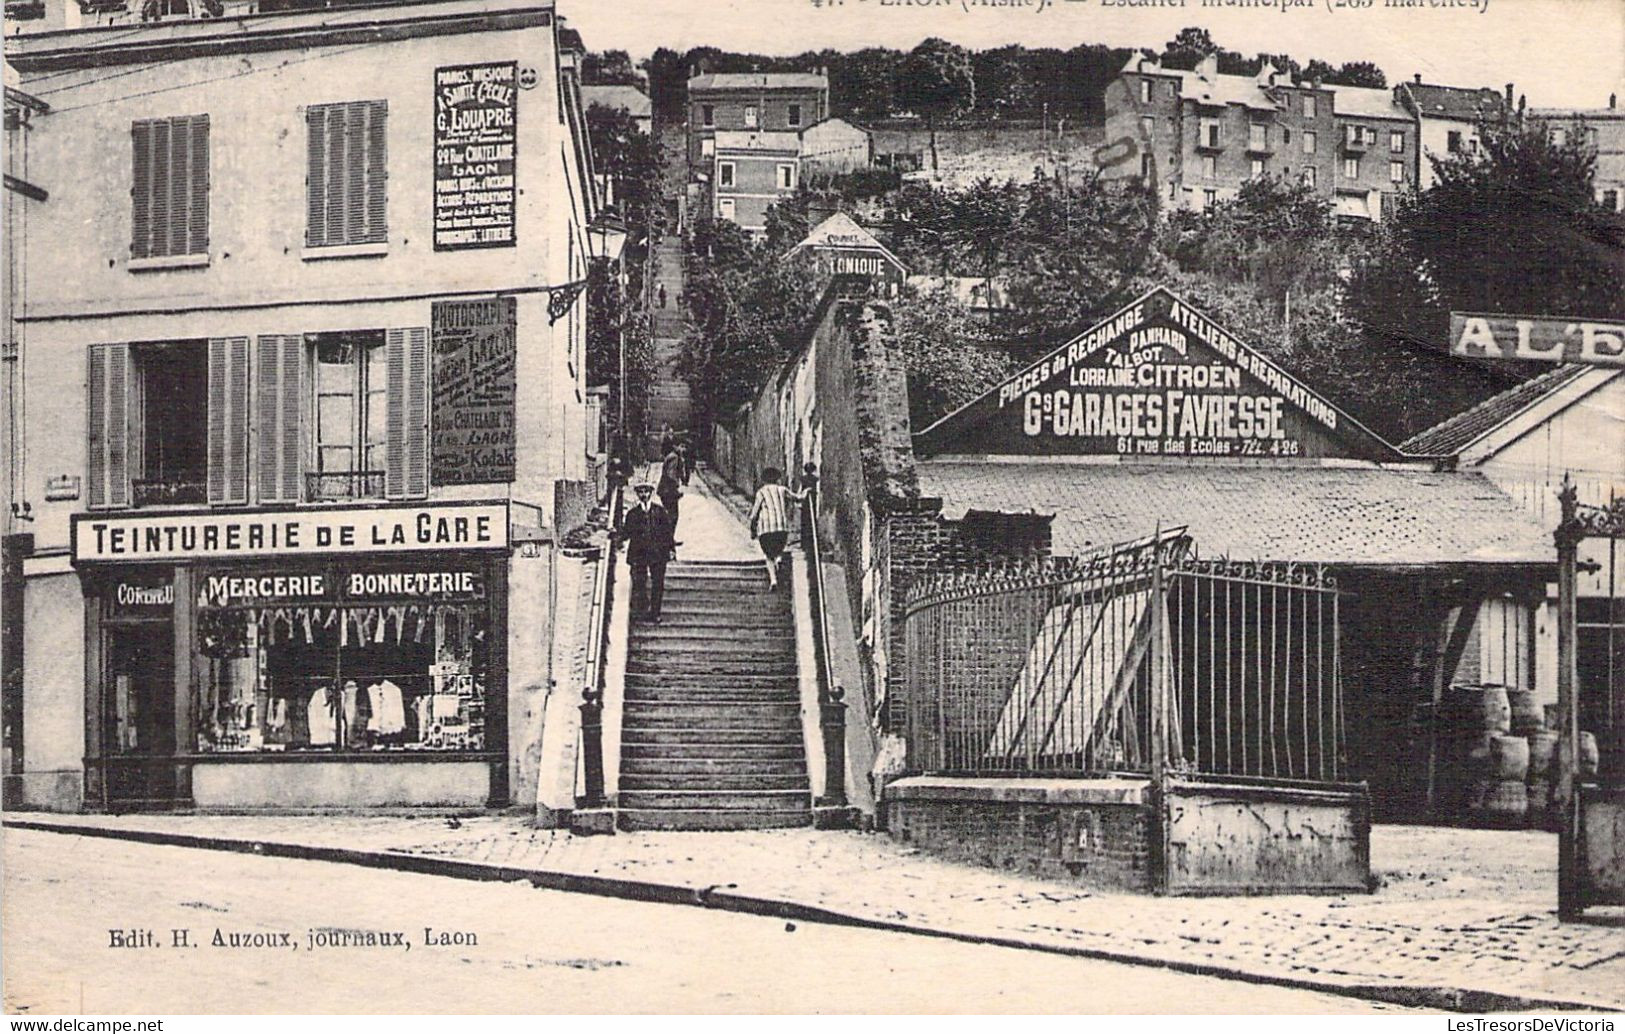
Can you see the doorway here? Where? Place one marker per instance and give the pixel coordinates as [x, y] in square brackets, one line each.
[138, 717]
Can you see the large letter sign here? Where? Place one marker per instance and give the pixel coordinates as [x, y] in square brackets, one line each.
[1555, 340]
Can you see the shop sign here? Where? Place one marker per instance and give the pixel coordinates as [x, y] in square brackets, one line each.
[267, 588]
[472, 439]
[62, 488]
[476, 119]
[150, 596]
[1555, 340]
[214, 536]
[1156, 379]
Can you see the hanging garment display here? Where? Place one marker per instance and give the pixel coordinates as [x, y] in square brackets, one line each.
[388, 713]
[323, 724]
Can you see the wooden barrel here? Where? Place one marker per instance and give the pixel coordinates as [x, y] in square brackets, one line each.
[1588, 754]
[1527, 716]
[1542, 749]
[1499, 803]
[1540, 801]
[1509, 758]
[1483, 707]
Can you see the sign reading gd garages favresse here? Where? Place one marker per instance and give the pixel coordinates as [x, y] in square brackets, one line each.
[1551, 339]
[180, 537]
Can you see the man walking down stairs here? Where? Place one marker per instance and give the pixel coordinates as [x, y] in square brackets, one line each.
[711, 734]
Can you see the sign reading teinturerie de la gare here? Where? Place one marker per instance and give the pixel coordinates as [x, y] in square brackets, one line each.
[179, 537]
[473, 343]
[476, 119]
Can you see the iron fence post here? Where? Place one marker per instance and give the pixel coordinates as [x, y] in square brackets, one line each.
[832, 718]
[592, 748]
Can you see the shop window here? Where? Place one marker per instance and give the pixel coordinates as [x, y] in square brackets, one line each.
[170, 387]
[793, 117]
[170, 187]
[351, 434]
[725, 174]
[367, 659]
[346, 173]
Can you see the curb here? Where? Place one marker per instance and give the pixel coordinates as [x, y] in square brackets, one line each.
[717, 896]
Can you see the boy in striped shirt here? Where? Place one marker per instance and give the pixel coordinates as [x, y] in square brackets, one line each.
[770, 520]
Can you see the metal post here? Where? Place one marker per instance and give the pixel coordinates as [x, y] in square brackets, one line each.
[1159, 730]
[832, 717]
[1567, 536]
[592, 748]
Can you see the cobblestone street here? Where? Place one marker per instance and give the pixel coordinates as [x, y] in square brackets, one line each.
[1457, 909]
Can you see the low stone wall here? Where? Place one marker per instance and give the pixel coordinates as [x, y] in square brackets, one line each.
[1096, 832]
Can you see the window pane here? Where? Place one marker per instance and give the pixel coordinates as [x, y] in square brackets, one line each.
[335, 367]
[377, 420]
[333, 459]
[335, 420]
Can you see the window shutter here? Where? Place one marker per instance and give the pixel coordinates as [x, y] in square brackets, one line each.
[316, 177]
[161, 173]
[197, 217]
[336, 151]
[280, 390]
[107, 417]
[228, 420]
[141, 190]
[377, 227]
[346, 173]
[406, 467]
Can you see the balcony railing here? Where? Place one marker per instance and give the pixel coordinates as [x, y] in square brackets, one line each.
[177, 490]
[338, 486]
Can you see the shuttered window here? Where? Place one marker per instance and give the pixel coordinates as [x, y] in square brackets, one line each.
[406, 468]
[170, 186]
[346, 173]
[107, 415]
[228, 420]
[279, 387]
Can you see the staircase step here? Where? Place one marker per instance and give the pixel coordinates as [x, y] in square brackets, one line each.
[731, 712]
[673, 620]
[707, 634]
[682, 768]
[695, 696]
[713, 752]
[748, 681]
[675, 736]
[634, 819]
[712, 669]
[712, 781]
[717, 800]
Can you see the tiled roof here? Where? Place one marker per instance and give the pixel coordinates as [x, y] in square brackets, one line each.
[1331, 515]
[628, 98]
[1363, 102]
[1455, 101]
[759, 81]
[1465, 428]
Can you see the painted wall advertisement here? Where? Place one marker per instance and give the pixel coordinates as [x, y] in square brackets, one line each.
[1159, 379]
[474, 357]
[476, 119]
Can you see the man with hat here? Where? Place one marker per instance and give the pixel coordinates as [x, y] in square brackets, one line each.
[647, 528]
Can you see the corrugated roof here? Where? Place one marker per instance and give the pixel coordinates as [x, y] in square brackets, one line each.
[1363, 102]
[759, 81]
[1463, 429]
[628, 98]
[1330, 515]
[1456, 101]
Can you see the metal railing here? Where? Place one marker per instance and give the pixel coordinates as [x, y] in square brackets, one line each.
[168, 491]
[334, 486]
[1140, 659]
[592, 691]
[831, 696]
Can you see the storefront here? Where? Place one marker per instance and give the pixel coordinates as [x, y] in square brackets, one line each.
[341, 658]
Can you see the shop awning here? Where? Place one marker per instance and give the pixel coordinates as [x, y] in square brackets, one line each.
[1365, 516]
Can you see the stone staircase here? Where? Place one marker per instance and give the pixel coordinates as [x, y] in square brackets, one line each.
[711, 729]
[670, 404]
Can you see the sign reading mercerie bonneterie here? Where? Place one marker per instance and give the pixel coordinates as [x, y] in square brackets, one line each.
[178, 537]
[476, 122]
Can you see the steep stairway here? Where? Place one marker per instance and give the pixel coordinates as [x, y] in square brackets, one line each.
[711, 731]
[670, 403]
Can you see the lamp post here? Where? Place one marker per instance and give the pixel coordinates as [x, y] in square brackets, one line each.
[606, 237]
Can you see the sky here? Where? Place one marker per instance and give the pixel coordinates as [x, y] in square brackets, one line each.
[1559, 53]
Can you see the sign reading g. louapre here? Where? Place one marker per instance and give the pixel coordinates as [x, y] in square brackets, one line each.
[472, 438]
[476, 122]
[1553, 339]
[1155, 379]
[180, 537]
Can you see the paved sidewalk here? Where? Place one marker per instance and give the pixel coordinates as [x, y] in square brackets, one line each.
[1458, 910]
[707, 529]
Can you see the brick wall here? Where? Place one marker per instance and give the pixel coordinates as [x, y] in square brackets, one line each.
[1097, 845]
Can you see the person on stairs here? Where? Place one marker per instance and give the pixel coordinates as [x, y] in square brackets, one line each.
[670, 489]
[770, 520]
[647, 527]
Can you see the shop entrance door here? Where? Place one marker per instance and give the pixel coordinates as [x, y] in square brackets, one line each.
[138, 720]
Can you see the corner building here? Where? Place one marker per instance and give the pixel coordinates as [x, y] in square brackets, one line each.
[303, 398]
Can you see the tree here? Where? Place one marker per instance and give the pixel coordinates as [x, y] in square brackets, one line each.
[667, 71]
[1002, 82]
[947, 353]
[630, 158]
[861, 83]
[1359, 73]
[609, 68]
[1510, 228]
[1188, 47]
[936, 81]
[1318, 70]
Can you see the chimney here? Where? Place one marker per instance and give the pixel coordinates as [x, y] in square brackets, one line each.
[1208, 68]
[1613, 101]
[1418, 78]
[1509, 95]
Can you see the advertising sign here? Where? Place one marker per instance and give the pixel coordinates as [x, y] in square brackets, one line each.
[1552, 339]
[175, 537]
[1157, 379]
[137, 596]
[262, 588]
[476, 119]
[472, 437]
